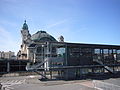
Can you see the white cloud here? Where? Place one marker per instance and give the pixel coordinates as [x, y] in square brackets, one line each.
[55, 24]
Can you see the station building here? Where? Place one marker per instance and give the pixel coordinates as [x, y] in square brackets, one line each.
[71, 60]
[29, 50]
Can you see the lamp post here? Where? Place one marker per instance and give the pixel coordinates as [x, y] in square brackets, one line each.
[43, 52]
[44, 73]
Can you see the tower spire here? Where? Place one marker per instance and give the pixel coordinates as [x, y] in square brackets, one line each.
[25, 26]
[25, 21]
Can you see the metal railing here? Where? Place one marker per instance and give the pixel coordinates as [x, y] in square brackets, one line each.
[105, 66]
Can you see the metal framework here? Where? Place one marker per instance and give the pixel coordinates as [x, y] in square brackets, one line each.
[71, 60]
[7, 66]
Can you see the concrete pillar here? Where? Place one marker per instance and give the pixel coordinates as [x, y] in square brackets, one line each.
[28, 54]
[34, 58]
[8, 66]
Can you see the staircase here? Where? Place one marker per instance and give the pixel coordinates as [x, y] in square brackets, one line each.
[34, 67]
[42, 74]
[106, 67]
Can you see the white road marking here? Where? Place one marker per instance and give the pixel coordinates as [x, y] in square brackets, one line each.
[6, 84]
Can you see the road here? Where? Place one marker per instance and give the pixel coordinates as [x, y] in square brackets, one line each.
[33, 83]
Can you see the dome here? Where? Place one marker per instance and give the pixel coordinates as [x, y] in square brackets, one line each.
[61, 39]
[25, 26]
[42, 36]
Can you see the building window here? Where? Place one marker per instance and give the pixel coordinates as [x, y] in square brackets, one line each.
[118, 55]
[97, 55]
[106, 56]
[74, 52]
[60, 52]
[39, 50]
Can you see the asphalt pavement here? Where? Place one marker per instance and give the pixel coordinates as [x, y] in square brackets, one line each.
[33, 83]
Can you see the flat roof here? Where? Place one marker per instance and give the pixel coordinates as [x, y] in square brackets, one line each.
[69, 44]
[89, 45]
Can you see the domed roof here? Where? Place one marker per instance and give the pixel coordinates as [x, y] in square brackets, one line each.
[42, 36]
[25, 26]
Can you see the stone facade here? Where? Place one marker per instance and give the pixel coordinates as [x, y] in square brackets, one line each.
[29, 50]
[61, 39]
[26, 41]
[7, 55]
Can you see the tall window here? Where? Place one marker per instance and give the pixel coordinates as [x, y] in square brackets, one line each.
[74, 52]
[114, 54]
[96, 54]
[110, 54]
[118, 54]
[39, 50]
[105, 51]
[86, 52]
[60, 52]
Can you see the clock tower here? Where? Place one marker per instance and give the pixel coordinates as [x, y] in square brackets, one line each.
[25, 34]
[26, 41]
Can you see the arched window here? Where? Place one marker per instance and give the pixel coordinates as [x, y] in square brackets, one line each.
[39, 49]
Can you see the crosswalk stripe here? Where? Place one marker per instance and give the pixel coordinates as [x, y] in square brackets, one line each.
[8, 83]
[13, 81]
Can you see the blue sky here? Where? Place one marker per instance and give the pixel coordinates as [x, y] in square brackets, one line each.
[80, 21]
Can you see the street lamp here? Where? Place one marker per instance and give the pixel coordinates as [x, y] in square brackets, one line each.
[43, 52]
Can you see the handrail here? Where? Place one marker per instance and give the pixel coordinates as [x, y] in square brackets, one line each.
[106, 67]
